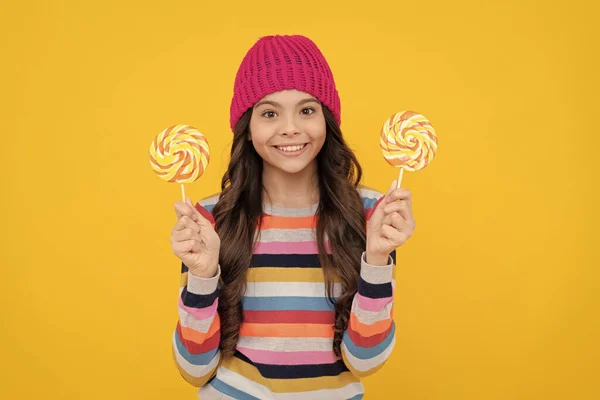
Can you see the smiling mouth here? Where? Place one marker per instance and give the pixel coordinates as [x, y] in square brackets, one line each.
[291, 149]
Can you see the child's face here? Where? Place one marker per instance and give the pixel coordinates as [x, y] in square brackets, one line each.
[287, 129]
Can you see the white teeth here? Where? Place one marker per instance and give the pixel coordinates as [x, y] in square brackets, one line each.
[291, 148]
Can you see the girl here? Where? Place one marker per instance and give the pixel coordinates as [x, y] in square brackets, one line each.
[288, 273]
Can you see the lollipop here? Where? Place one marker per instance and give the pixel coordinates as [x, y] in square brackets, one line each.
[179, 154]
[408, 142]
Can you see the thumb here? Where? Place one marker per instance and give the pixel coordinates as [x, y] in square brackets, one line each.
[189, 202]
[390, 190]
[198, 218]
[377, 215]
[392, 187]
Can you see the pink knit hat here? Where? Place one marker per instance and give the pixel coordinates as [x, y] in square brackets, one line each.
[278, 63]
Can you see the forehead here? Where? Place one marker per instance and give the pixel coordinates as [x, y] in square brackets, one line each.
[287, 96]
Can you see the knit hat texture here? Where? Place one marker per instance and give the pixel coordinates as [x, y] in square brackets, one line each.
[276, 63]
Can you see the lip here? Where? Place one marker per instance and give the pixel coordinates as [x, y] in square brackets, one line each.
[292, 153]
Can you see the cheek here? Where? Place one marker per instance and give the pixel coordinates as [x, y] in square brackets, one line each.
[259, 135]
[319, 133]
[260, 146]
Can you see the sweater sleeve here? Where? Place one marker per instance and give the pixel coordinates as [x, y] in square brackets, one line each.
[197, 335]
[370, 337]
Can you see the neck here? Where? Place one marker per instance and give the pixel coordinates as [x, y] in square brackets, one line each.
[297, 190]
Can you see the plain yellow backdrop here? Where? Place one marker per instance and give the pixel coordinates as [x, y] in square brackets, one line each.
[498, 291]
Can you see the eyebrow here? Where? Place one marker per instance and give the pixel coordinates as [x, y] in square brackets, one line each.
[276, 104]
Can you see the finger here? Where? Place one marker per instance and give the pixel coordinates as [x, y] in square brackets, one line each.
[182, 235]
[403, 220]
[177, 209]
[400, 194]
[389, 191]
[182, 208]
[195, 245]
[202, 222]
[399, 207]
[179, 225]
[398, 222]
[392, 186]
[404, 210]
[199, 218]
[190, 203]
[186, 222]
[392, 207]
[185, 234]
[387, 220]
[391, 233]
[187, 246]
[181, 248]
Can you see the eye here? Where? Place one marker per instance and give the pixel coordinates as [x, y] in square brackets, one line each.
[308, 111]
[269, 114]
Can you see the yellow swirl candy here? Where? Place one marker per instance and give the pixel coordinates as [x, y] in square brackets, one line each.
[179, 154]
[408, 141]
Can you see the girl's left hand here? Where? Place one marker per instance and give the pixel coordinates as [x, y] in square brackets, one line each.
[390, 225]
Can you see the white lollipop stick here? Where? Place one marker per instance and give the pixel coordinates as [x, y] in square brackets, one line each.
[400, 178]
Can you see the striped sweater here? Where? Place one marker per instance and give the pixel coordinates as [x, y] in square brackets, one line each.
[285, 347]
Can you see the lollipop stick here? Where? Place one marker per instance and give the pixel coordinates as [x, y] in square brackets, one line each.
[182, 193]
[400, 178]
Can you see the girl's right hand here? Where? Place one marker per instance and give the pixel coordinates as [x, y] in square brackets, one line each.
[194, 241]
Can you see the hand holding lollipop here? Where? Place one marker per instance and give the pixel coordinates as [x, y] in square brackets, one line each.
[179, 154]
[408, 141]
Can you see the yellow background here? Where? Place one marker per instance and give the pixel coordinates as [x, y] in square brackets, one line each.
[498, 291]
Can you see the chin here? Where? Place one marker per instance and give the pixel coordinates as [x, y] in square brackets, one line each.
[291, 169]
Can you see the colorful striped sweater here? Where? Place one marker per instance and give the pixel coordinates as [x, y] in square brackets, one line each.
[285, 348]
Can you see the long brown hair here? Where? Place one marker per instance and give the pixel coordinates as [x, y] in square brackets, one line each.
[341, 220]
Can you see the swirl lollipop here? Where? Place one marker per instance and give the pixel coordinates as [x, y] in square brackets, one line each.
[179, 154]
[408, 141]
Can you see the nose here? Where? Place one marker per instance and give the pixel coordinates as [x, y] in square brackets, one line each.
[289, 128]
